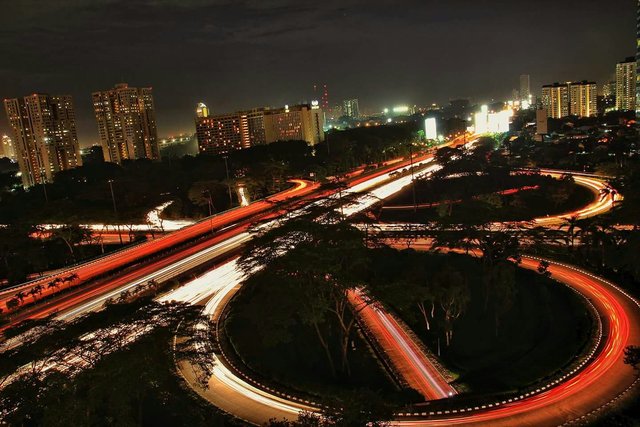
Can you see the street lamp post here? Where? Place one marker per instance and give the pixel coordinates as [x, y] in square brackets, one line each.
[413, 182]
[115, 210]
[326, 139]
[44, 188]
[226, 167]
[208, 192]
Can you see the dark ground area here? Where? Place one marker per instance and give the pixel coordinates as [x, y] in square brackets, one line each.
[294, 357]
[541, 331]
[476, 199]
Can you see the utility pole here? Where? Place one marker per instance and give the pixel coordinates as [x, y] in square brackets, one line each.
[44, 188]
[413, 182]
[208, 192]
[115, 210]
[326, 139]
[226, 167]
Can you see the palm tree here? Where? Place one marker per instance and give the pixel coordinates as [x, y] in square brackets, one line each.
[35, 291]
[571, 223]
[13, 303]
[20, 295]
[71, 278]
[608, 192]
[595, 239]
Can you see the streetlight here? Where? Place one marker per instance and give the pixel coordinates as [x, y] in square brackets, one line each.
[44, 187]
[226, 167]
[413, 183]
[115, 209]
[208, 192]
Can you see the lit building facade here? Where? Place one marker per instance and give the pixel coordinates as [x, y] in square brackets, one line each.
[626, 75]
[638, 61]
[492, 122]
[555, 100]
[431, 128]
[607, 98]
[350, 108]
[202, 111]
[223, 133]
[7, 149]
[45, 137]
[570, 99]
[126, 120]
[583, 99]
[299, 122]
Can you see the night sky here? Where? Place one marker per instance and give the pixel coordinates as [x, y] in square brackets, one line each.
[235, 54]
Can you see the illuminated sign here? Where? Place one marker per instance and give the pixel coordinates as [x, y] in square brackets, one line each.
[486, 122]
[430, 128]
[401, 109]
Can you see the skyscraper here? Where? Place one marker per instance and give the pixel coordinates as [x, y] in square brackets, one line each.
[299, 122]
[222, 133]
[7, 149]
[525, 88]
[202, 111]
[583, 98]
[570, 99]
[626, 85]
[638, 61]
[325, 97]
[126, 123]
[555, 100]
[45, 136]
[350, 108]
[607, 98]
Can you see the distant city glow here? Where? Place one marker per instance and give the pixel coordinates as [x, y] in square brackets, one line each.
[401, 109]
[486, 122]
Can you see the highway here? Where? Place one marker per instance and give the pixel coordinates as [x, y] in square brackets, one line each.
[216, 285]
[592, 182]
[256, 403]
[406, 356]
[239, 395]
[602, 378]
[115, 261]
[107, 278]
[599, 206]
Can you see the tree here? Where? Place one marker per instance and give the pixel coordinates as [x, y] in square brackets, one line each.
[632, 356]
[310, 258]
[13, 303]
[608, 192]
[20, 253]
[571, 224]
[72, 235]
[543, 268]
[359, 408]
[208, 194]
[130, 381]
[452, 294]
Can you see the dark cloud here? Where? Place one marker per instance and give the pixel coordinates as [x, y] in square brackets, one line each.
[242, 53]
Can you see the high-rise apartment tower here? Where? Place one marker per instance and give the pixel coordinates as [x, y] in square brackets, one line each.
[45, 138]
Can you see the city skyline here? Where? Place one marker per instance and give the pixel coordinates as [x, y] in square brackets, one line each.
[247, 36]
